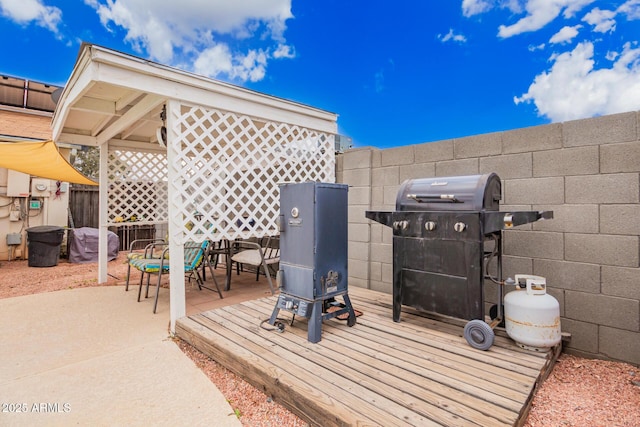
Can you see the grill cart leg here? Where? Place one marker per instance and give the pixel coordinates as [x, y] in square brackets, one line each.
[397, 305]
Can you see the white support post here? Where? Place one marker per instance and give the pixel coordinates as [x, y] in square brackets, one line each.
[177, 296]
[103, 244]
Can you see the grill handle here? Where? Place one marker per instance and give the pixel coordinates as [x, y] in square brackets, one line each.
[443, 198]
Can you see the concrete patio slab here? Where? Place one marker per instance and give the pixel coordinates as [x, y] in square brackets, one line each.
[95, 356]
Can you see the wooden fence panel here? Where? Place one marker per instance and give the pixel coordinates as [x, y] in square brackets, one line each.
[83, 206]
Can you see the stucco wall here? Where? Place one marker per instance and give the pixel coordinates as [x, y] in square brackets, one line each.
[586, 171]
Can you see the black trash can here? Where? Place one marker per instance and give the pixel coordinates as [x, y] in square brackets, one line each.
[44, 245]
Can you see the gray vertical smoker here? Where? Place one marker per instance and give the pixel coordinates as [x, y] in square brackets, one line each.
[313, 254]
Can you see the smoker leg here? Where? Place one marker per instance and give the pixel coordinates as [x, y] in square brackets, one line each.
[352, 315]
[274, 315]
[314, 333]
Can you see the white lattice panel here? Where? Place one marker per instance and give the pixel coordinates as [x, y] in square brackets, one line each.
[137, 186]
[230, 166]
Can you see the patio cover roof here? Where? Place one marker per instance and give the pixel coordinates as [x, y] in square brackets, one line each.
[115, 97]
[40, 159]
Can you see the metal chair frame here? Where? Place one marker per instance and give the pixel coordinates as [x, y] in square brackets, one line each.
[148, 253]
[257, 255]
[195, 254]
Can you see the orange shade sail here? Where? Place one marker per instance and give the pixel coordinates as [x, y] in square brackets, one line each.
[42, 159]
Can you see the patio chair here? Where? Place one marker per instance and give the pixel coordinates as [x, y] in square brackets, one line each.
[257, 255]
[195, 254]
[216, 250]
[149, 252]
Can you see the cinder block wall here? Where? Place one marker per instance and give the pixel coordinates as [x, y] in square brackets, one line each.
[586, 171]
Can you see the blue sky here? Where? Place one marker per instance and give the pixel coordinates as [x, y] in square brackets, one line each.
[397, 73]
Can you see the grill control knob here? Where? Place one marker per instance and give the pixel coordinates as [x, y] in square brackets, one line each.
[430, 225]
[459, 226]
[401, 225]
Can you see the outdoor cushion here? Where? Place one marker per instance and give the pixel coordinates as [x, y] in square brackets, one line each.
[252, 257]
[149, 265]
[193, 254]
[141, 255]
[135, 255]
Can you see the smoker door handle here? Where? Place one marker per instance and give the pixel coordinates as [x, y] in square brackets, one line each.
[442, 198]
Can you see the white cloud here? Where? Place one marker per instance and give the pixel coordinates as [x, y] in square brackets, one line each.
[219, 60]
[475, 7]
[565, 35]
[573, 89]
[611, 56]
[602, 20]
[284, 51]
[540, 13]
[451, 36]
[214, 60]
[24, 12]
[631, 8]
[573, 6]
[533, 48]
[204, 31]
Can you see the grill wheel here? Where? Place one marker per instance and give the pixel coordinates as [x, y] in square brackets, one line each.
[479, 334]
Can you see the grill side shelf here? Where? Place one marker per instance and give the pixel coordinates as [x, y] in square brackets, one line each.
[383, 217]
[496, 221]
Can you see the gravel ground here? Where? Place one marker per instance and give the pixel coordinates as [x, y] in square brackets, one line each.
[579, 392]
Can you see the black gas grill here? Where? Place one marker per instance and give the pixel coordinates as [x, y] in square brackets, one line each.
[445, 232]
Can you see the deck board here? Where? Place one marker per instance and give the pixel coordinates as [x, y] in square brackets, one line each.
[419, 371]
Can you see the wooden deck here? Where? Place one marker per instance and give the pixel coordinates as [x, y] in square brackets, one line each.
[417, 372]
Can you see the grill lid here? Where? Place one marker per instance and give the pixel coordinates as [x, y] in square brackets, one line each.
[453, 193]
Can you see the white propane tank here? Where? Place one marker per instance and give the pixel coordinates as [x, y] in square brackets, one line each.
[532, 318]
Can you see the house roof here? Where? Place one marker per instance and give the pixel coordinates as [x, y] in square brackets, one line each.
[116, 97]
